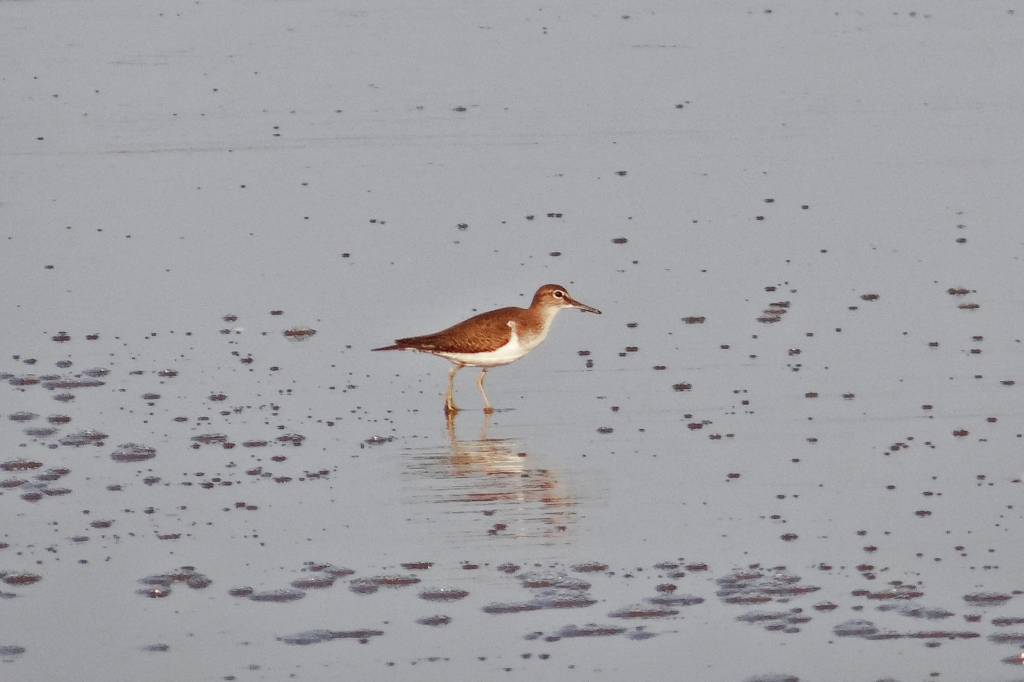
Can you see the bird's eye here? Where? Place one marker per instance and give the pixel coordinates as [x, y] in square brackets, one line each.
[558, 294]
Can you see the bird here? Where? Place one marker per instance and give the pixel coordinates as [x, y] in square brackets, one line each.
[491, 339]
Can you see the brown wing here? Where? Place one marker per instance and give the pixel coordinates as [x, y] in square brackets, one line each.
[478, 334]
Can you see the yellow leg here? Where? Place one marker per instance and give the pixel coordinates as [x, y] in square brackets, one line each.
[480, 384]
[449, 401]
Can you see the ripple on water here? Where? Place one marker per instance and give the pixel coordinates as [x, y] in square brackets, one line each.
[210, 438]
[556, 580]
[363, 586]
[331, 569]
[676, 600]
[20, 579]
[855, 628]
[417, 565]
[776, 621]
[496, 608]
[753, 586]
[641, 611]
[547, 599]
[434, 621]
[84, 437]
[64, 384]
[317, 636]
[132, 452]
[444, 594]
[394, 580]
[987, 598]
[299, 333]
[917, 611]
[159, 585]
[318, 582]
[278, 596]
[590, 630]
[20, 465]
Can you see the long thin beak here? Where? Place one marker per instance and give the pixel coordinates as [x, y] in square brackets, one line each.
[582, 306]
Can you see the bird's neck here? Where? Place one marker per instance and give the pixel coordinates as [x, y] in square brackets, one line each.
[541, 318]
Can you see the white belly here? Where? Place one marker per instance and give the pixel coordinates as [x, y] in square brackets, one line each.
[516, 348]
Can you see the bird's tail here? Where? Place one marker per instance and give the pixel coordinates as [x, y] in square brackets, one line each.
[394, 347]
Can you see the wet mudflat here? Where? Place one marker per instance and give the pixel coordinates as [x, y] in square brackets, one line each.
[788, 450]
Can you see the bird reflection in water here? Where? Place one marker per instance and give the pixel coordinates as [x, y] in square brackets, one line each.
[496, 480]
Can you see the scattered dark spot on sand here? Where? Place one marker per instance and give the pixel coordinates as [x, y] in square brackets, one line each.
[434, 621]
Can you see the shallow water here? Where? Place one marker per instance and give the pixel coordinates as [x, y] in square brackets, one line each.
[788, 450]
